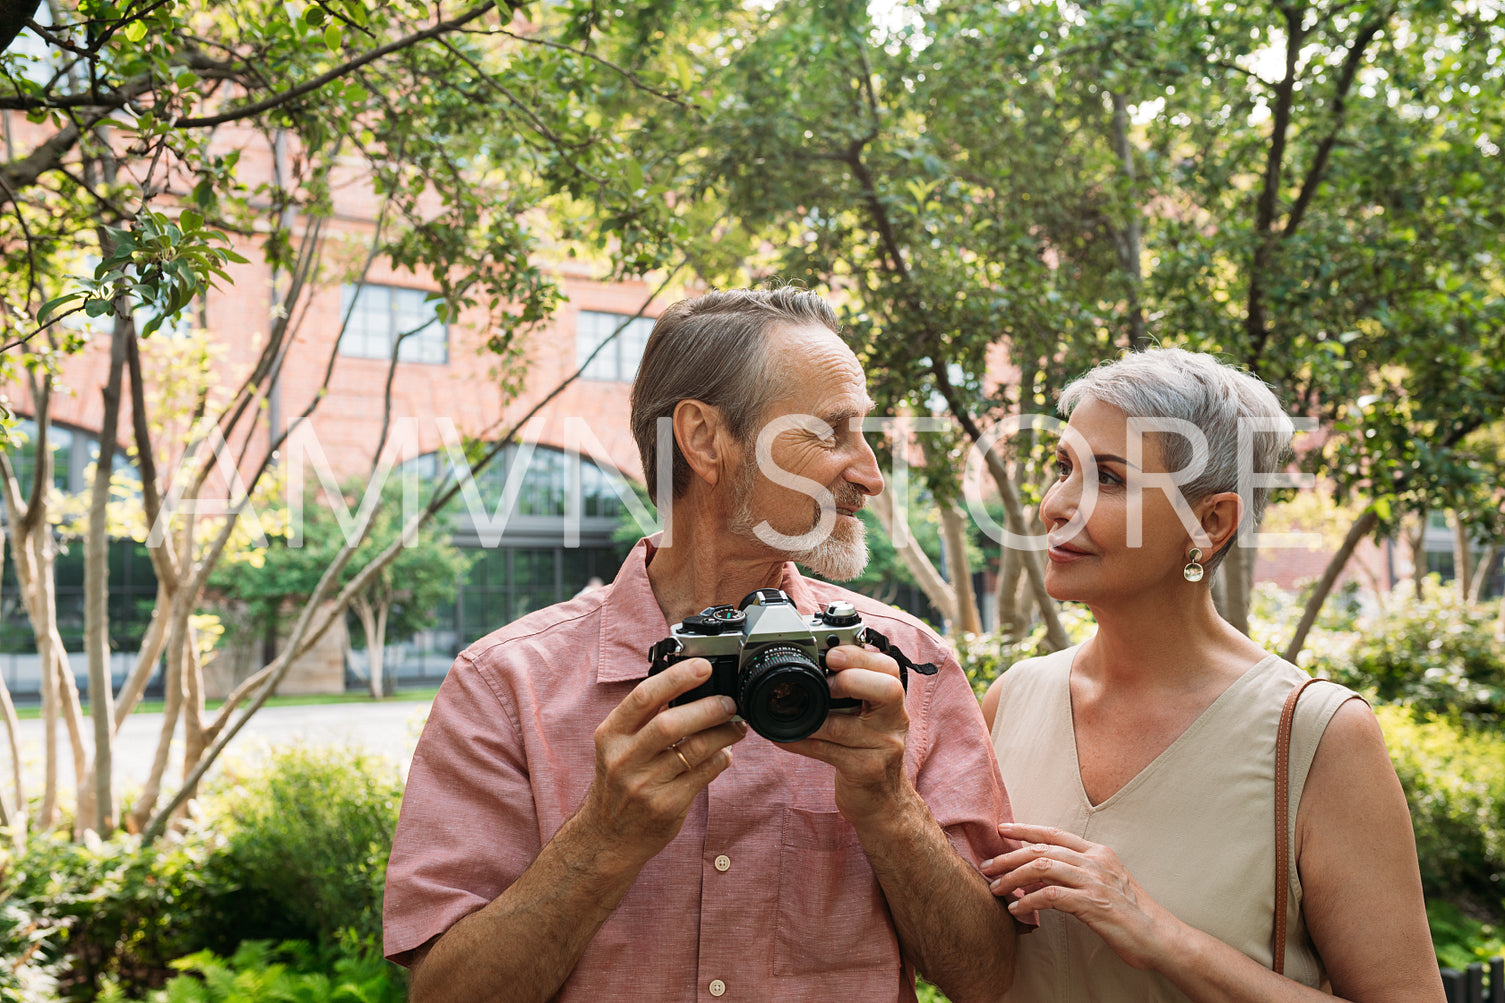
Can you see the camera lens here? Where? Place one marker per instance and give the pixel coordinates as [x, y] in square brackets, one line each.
[782, 694]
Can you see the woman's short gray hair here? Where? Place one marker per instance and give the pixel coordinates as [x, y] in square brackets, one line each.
[713, 349]
[1196, 388]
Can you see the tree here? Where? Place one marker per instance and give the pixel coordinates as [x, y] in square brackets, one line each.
[131, 171]
[399, 600]
[1301, 188]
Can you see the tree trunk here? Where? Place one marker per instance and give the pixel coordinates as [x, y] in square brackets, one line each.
[1009, 618]
[146, 660]
[97, 582]
[195, 741]
[15, 817]
[1128, 239]
[1416, 538]
[379, 654]
[1055, 631]
[47, 811]
[1482, 572]
[924, 573]
[1463, 571]
[14, 820]
[1236, 575]
[954, 537]
[1361, 528]
[178, 634]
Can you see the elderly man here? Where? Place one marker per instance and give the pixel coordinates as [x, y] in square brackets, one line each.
[571, 831]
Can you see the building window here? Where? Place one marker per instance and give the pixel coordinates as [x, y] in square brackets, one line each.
[73, 454]
[382, 314]
[619, 360]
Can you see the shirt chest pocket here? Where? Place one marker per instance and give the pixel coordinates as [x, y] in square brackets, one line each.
[832, 915]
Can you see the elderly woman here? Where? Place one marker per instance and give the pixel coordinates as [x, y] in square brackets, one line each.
[1141, 763]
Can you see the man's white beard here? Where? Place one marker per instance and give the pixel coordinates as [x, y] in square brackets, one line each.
[841, 556]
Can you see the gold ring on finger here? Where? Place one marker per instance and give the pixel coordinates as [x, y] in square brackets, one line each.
[675, 749]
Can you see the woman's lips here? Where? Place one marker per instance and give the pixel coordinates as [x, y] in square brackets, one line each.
[1065, 553]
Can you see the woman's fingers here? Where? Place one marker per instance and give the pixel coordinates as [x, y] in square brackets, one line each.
[1043, 834]
[1037, 864]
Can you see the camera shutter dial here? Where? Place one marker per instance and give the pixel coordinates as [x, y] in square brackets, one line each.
[715, 620]
[840, 614]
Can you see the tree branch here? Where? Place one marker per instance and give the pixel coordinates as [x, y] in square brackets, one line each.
[1318, 170]
[276, 100]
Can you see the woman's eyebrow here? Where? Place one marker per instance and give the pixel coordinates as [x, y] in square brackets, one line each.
[1113, 458]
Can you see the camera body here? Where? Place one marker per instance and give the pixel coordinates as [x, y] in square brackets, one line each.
[766, 657]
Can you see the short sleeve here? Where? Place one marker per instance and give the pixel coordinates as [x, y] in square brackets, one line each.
[958, 773]
[468, 827]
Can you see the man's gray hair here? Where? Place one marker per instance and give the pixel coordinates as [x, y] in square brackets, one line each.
[713, 349]
[1195, 387]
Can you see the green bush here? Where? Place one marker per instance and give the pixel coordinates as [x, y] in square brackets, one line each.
[1436, 655]
[984, 657]
[109, 909]
[1455, 783]
[1461, 940]
[24, 973]
[306, 845]
[292, 972]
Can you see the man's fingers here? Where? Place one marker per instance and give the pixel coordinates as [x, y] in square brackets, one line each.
[703, 745]
[673, 724]
[639, 706]
[850, 656]
[875, 688]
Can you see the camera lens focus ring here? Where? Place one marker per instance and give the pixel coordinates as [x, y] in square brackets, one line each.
[783, 694]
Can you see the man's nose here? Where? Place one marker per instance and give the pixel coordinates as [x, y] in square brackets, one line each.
[864, 471]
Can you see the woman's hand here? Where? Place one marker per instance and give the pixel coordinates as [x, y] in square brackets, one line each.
[1060, 871]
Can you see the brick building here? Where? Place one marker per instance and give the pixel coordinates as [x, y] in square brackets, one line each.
[446, 386]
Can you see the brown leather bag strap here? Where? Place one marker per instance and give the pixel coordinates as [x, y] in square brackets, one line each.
[1282, 821]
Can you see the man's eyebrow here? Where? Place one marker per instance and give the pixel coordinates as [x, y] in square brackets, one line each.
[846, 414]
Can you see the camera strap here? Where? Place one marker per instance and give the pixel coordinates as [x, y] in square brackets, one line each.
[893, 651]
[658, 655]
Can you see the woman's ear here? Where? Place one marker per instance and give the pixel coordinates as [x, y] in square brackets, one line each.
[700, 434]
[1220, 515]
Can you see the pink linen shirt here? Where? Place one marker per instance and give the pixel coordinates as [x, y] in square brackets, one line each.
[765, 894]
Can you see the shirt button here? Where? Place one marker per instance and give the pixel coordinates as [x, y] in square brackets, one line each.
[723, 863]
[718, 988]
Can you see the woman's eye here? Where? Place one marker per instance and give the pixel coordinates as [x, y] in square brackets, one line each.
[1063, 469]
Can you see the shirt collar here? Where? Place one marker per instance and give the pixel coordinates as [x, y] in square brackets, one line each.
[632, 622]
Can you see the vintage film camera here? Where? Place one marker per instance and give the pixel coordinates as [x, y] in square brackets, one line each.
[771, 660]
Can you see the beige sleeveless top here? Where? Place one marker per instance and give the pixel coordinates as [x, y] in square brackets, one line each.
[1195, 827]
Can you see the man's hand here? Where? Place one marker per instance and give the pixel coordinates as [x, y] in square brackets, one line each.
[865, 746]
[653, 759]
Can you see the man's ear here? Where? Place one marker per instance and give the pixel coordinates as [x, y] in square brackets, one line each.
[701, 436]
[1220, 515]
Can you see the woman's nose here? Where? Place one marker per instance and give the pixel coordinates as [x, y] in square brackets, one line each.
[1060, 502]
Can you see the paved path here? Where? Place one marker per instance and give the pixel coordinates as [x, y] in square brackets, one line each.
[389, 728]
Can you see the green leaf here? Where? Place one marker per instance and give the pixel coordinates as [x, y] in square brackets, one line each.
[332, 36]
[135, 31]
[53, 304]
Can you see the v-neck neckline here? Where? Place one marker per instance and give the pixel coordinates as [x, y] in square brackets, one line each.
[1153, 765]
